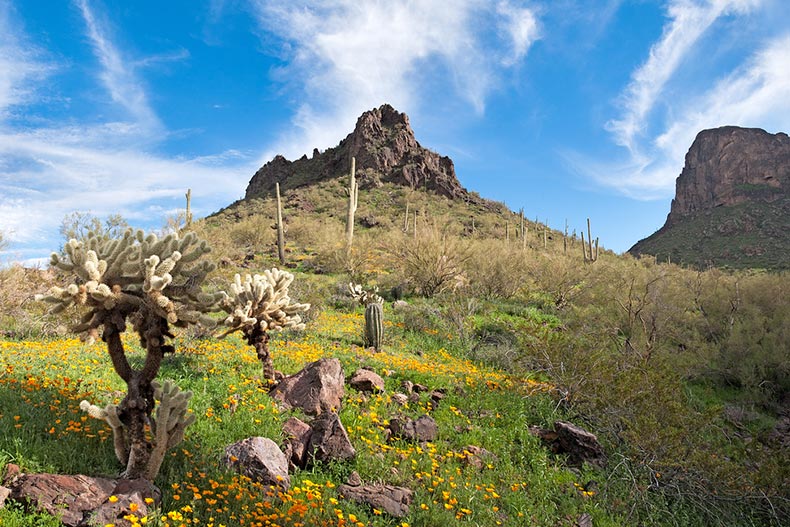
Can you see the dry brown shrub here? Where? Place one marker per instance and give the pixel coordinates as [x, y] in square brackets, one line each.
[496, 269]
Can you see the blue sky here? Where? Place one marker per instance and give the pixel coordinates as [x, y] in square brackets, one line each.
[568, 108]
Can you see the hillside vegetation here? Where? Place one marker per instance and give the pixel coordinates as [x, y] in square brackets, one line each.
[683, 375]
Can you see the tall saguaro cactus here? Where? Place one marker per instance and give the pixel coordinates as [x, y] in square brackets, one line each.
[259, 304]
[280, 228]
[353, 197]
[151, 283]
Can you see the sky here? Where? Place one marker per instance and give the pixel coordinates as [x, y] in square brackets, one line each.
[568, 108]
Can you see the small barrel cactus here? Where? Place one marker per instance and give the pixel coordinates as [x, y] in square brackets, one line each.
[374, 325]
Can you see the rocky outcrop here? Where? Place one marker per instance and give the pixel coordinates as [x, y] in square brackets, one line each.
[731, 205]
[729, 165]
[385, 149]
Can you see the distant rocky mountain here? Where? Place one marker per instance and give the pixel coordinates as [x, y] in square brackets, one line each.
[732, 203]
[385, 149]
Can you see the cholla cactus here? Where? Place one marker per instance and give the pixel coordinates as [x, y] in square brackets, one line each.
[151, 283]
[261, 304]
[374, 328]
[362, 296]
[168, 426]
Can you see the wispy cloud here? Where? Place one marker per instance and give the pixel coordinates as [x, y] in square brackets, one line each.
[656, 130]
[107, 167]
[20, 64]
[116, 74]
[349, 56]
[688, 21]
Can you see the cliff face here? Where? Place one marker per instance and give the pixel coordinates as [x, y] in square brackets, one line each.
[730, 165]
[385, 149]
[732, 203]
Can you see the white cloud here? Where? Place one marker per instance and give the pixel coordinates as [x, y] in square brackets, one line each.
[117, 75]
[49, 170]
[20, 65]
[689, 20]
[348, 56]
[755, 94]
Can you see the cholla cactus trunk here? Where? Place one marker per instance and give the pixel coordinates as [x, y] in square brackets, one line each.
[259, 339]
[374, 325]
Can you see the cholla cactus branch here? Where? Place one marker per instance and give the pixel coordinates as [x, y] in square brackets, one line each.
[364, 297]
[260, 304]
[171, 421]
[110, 414]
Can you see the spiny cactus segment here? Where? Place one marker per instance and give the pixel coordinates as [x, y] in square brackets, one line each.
[172, 419]
[131, 273]
[362, 296]
[261, 304]
[262, 300]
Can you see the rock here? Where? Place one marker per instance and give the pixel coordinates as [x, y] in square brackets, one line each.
[477, 457]
[260, 459]
[399, 305]
[585, 520]
[367, 381]
[423, 429]
[580, 445]
[437, 396]
[393, 500]
[354, 480]
[4, 493]
[316, 389]
[407, 386]
[79, 500]
[297, 439]
[385, 149]
[400, 399]
[329, 440]
[12, 471]
[419, 388]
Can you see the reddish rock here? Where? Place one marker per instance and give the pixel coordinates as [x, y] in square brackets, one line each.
[725, 165]
[580, 445]
[366, 381]
[477, 457]
[423, 429]
[5, 492]
[260, 459]
[78, 500]
[297, 438]
[317, 389]
[393, 500]
[385, 149]
[329, 440]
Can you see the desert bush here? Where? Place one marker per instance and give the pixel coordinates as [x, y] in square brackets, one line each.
[433, 261]
[495, 269]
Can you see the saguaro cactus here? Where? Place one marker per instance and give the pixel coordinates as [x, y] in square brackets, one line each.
[353, 197]
[151, 283]
[374, 316]
[261, 304]
[374, 325]
[280, 228]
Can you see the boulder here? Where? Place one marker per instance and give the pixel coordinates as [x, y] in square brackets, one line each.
[423, 429]
[260, 459]
[365, 380]
[580, 445]
[329, 440]
[82, 500]
[393, 500]
[316, 389]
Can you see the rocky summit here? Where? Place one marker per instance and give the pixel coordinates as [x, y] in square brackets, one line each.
[731, 205]
[385, 149]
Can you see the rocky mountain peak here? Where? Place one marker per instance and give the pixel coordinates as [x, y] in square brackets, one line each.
[732, 203]
[385, 149]
[730, 165]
